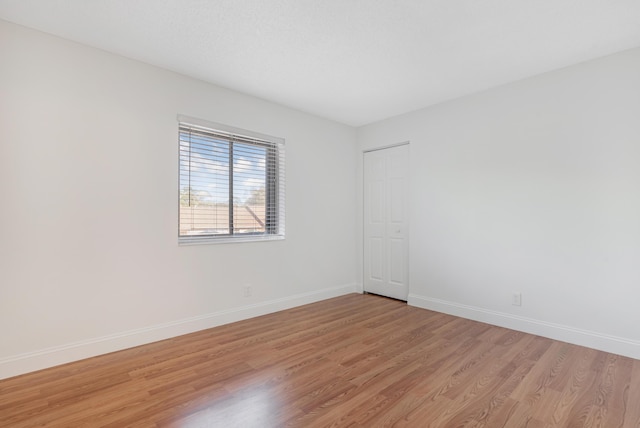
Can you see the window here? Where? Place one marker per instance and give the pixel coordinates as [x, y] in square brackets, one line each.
[231, 183]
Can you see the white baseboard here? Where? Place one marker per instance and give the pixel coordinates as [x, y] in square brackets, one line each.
[32, 361]
[615, 345]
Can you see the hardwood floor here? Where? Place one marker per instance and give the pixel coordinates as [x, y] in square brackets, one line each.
[352, 361]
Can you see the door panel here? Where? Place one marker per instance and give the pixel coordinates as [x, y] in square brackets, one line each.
[386, 238]
[377, 202]
[397, 204]
[377, 259]
[397, 258]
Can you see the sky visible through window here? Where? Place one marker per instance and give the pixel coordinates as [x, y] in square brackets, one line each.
[207, 159]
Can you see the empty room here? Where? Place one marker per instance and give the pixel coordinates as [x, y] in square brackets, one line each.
[292, 213]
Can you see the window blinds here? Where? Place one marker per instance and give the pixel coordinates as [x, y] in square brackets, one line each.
[231, 184]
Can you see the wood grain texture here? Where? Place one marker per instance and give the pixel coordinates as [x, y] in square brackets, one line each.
[352, 361]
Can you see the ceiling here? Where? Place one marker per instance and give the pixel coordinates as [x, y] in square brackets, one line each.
[352, 61]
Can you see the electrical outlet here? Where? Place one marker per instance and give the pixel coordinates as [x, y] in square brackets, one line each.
[516, 299]
[247, 291]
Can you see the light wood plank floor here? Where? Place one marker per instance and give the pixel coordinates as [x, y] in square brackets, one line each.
[352, 361]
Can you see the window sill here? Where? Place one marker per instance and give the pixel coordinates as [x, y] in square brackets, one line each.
[208, 240]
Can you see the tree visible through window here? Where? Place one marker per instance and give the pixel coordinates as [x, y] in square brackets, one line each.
[231, 184]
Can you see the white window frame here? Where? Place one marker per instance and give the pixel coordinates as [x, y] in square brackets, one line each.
[277, 202]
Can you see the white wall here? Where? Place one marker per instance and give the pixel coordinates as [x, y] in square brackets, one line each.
[89, 259]
[533, 187]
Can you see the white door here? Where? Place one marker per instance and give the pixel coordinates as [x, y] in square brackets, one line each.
[386, 225]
